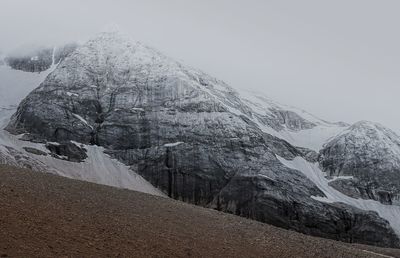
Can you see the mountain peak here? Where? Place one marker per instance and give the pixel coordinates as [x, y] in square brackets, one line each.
[369, 141]
[116, 52]
[170, 123]
[113, 34]
[370, 154]
[372, 130]
[366, 124]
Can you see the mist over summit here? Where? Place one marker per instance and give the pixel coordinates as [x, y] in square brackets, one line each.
[114, 111]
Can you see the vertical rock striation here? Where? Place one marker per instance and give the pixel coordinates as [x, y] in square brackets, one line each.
[188, 134]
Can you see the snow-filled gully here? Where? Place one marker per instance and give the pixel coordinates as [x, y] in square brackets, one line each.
[98, 167]
[389, 212]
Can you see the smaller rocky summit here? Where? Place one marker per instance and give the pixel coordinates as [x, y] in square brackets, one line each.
[370, 154]
[38, 59]
[35, 61]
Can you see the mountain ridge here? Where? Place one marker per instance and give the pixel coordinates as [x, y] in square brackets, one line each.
[191, 136]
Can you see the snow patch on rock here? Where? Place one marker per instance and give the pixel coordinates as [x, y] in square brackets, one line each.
[389, 212]
[82, 120]
[173, 144]
[72, 94]
[97, 168]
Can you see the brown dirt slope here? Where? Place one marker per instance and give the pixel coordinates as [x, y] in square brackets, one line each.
[43, 215]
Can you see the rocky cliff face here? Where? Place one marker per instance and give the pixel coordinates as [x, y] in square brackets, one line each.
[190, 135]
[38, 59]
[369, 155]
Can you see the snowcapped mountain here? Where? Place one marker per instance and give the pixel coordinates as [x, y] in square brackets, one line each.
[370, 155]
[117, 112]
[98, 167]
[291, 124]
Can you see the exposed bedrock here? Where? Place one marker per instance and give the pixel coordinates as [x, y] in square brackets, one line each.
[369, 153]
[188, 134]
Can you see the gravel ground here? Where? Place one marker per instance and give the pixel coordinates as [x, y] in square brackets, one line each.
[43, 215]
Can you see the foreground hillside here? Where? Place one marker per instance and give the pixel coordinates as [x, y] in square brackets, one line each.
[47, 216]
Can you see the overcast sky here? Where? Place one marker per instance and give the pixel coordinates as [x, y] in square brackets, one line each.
[338, 59]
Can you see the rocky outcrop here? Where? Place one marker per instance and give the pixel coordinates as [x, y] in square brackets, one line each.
[35, 151]
[284, 149]
[188, 134]
[67, 151]
[39, 59]
[61, 52]
[292, 120]
[370, 153]
[272, 202]
[276, 116]
[16, 158]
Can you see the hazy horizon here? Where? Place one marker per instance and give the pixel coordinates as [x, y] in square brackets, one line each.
[338, 60]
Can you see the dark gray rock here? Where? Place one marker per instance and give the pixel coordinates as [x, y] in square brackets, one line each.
[288, 151]
[355, 189]
[292, 120]
[67, 151]
[39, 59]
[370, 153]
[185, 132]
[35, 151]
[270, 201]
